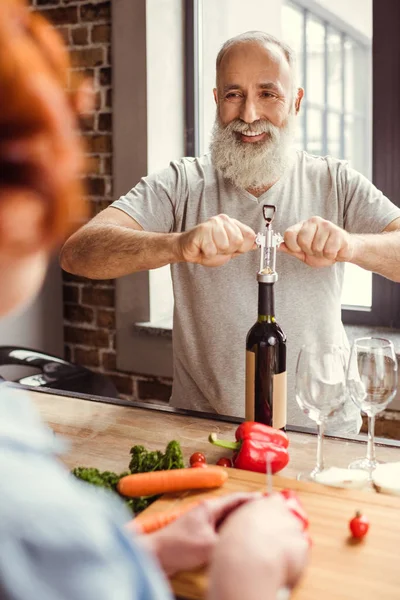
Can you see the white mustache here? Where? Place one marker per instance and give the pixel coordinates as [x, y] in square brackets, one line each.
[258, 130]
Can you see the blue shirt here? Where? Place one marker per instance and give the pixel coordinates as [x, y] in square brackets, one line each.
[61, 539]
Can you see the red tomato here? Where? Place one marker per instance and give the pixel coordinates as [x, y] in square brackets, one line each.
[224, 462]
[201, 465]
[359, 526]
[197, 457]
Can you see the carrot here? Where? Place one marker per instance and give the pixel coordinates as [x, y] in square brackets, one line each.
[153, 522]
[175, 480]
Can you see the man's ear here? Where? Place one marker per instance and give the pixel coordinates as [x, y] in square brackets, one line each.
[299, 98]
[215, 92]
[22, 221]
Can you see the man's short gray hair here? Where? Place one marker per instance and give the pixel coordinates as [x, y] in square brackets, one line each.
[262, 38]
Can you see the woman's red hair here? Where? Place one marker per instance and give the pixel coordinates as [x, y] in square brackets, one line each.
[40, 147]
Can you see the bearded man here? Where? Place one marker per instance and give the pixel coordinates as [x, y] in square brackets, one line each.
[205, 212]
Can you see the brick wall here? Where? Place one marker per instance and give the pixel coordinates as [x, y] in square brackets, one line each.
[89, 306]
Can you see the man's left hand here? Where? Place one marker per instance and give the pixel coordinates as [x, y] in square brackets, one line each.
[318, 243]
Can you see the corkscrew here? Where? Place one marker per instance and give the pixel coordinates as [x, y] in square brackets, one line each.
[268, 243]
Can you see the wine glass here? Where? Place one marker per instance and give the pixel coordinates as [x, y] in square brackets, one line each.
[320, 389]
[372, 385]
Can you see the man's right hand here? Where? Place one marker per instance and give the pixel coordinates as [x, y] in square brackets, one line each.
[216, 241]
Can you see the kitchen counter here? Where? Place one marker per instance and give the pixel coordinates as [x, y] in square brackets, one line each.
[102, 434]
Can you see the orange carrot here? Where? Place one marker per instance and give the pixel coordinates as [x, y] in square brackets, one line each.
[153, 522]
[175, 480]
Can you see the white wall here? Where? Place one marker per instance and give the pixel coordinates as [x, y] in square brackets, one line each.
[38, 326]
[165, 116]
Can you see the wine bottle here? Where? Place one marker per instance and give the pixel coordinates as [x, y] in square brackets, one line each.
[266, 361]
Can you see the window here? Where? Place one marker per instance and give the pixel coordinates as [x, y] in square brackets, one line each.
[334, 69]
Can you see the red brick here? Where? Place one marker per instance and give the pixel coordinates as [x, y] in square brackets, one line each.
[154, 390]
[87, 358]
[94, 165]
[96, 12]
[123, 383]
[61, 15]
[105, 122]
[107, 165]
[109, 361]
[96, 186]
[99, 143]
[98, 297]
[87, 57]
[101, 33]
[105, 76]
[70, 293]
[78, 314]
[98, 99]
[87, 123]
[106, 318]
[86, 337]
[108, 102]
[80, 36]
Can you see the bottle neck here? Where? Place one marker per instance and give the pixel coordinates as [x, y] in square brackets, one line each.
[266, 308]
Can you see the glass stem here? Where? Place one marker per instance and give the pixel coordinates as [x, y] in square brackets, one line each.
[371, 439]
[320, 446]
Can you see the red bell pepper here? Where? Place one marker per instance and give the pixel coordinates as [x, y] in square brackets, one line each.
[256, 444]
[261, 432]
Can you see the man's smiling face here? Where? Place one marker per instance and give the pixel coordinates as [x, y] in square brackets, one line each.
[256, 106]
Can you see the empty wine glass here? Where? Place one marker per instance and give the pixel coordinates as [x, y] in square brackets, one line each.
[320, 389]
[372, 385]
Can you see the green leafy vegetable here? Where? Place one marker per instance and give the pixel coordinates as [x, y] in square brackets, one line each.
[142, 461]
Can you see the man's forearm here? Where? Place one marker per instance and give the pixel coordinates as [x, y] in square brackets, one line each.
[379, 253]
[104, 251]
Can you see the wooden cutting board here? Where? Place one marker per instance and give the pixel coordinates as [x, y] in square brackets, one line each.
[338, 569]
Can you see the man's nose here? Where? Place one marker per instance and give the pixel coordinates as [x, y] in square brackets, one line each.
[249, 112]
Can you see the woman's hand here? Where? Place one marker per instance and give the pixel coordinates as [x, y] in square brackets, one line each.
[261, 548]
[188, 542]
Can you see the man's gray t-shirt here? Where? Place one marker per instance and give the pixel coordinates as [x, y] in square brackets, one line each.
[215, 307]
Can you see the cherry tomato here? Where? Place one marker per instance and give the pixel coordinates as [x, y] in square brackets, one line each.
[197, 457]
[201, 465]
[224, 462]
[359, 525]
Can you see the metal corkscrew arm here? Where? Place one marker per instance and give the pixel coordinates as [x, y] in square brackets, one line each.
[268, 242]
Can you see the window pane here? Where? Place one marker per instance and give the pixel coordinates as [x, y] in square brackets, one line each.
[315, 61]
[350, 75]
[335, 70]
[314, 131]
[333, 135]
[292, 34]
[349, 141]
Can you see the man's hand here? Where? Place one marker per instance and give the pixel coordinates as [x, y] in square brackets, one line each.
[261, 547]
[188, 542]
[318, 243]
[216, 241]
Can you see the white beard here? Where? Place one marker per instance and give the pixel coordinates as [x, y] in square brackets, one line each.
[257, 165]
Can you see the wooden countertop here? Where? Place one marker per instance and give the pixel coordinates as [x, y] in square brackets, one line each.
[101, 435]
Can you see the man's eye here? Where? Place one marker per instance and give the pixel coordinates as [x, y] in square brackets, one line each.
[267, 95]
[232, 95]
